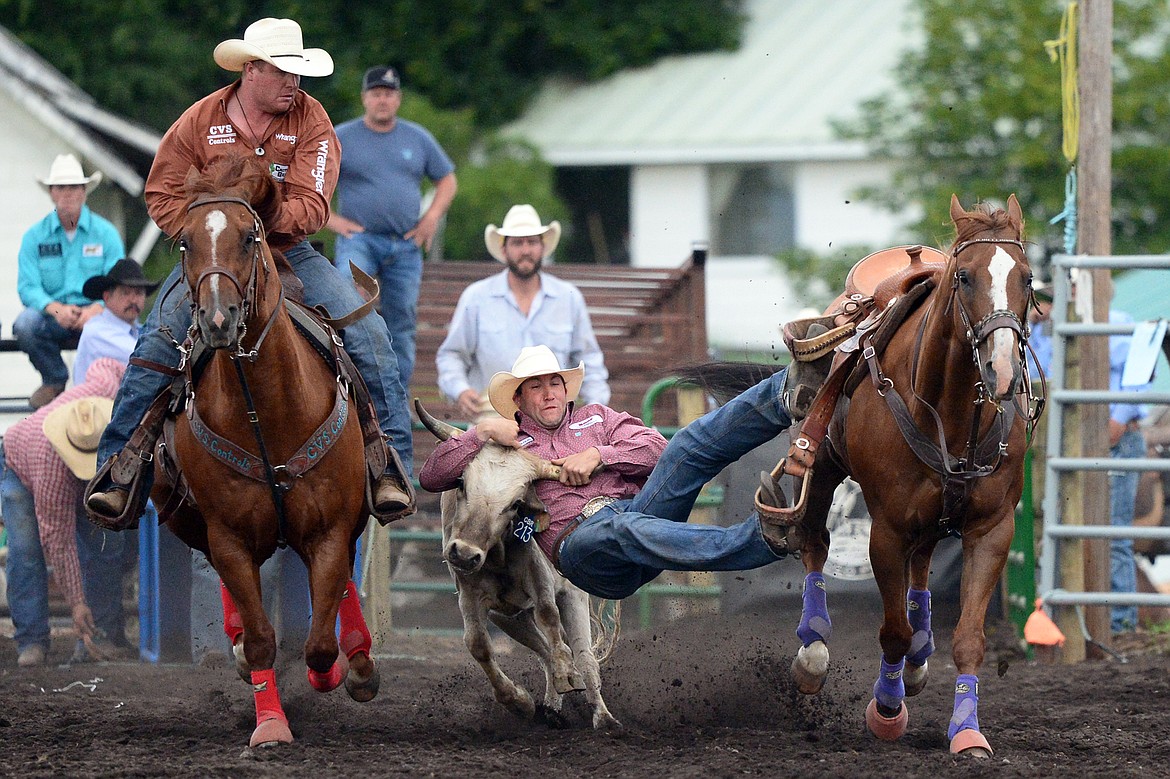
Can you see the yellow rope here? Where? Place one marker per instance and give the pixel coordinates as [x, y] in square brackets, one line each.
[1064, 50]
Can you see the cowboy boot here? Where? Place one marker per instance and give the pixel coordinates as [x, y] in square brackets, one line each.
[394, 496]
[778, 537]
[804, 378]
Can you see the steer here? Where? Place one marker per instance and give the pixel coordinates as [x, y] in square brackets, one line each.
[508, 580]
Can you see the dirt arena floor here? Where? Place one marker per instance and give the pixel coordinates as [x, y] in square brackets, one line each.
[699, 697]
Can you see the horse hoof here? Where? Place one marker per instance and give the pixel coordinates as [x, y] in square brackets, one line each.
[363, 690]
[810, 667]
[242, 667]
[970, 743]
[331, 680]
[271, 732]
[914, 678]
[886, 728]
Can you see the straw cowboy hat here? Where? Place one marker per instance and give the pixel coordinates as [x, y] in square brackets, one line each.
[74, 430]
[521, 220]
[66, 171]
[126, 272]
[533, 361]
[277, 42]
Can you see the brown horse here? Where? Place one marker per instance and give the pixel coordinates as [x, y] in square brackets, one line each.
[269, 448]
[935, 436]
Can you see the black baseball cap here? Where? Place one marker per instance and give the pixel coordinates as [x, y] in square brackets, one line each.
[381, 76]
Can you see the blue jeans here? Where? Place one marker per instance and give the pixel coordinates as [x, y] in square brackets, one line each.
[28, 579]
[105, 556]
[397, 265]
[630, 542]
[102, 555]
[366, 341]
[1122, 494]
[42, 339]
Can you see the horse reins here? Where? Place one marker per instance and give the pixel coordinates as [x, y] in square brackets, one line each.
[276, 488]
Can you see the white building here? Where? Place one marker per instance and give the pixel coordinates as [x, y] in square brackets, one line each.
[735, 149]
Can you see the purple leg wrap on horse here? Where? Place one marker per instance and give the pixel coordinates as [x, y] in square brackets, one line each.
[814, 619]
[889, 690]
[918, 612]
[966, 716]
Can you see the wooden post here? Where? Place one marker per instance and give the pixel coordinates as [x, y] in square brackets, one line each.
[1095, 238]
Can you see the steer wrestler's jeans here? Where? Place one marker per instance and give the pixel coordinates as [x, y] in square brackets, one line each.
[630, 542]
[366, 341]
[397, 264]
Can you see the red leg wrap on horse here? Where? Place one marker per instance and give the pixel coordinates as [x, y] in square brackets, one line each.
[267, 697]
[332, 679]
[355, 636]
[233, 624]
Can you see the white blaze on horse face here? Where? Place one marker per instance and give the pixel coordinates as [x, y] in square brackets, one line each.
[215, 223]
[1003, 340]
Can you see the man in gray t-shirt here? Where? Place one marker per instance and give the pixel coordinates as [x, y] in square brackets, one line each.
[383, 161]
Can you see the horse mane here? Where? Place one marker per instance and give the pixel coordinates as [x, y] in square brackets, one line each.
[986, 219]
[243, 177]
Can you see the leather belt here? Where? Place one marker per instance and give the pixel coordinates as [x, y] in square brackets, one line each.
[591, 507]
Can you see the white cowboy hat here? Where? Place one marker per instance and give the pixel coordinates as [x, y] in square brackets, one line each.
[66, 171]
[533, 361]
[74, 430]
[278, 42]
[521, 220]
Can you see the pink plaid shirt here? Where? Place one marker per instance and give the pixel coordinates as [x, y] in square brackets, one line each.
[56, 491]
[628, 449]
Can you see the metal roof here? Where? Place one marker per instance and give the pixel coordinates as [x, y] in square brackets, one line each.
[71, 113]
[801, 64]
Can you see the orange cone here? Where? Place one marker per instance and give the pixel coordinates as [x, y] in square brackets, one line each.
[1040, 630]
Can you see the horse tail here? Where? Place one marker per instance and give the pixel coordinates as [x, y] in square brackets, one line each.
[605, 618]
[724, 380]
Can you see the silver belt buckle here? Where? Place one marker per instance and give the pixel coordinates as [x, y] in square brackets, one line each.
[594, 505]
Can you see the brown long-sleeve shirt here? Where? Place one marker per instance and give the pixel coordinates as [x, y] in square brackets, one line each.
[300, 148]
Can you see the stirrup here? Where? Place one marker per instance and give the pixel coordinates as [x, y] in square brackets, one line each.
[135, 500]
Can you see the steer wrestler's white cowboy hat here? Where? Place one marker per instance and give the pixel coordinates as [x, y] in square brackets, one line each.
[278, 42]
[66, 171]
[533, 361]
[521, 220]
[74, 430]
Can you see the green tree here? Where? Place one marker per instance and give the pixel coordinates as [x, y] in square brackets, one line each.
[978, 113]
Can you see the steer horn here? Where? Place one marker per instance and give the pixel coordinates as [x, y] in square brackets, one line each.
[546, 470]
[441, 430]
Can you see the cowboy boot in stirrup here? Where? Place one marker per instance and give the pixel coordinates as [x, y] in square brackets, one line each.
[804, 379]
[393, 492]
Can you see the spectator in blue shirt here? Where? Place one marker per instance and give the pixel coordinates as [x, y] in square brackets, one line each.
[114, 331]
[521, 306]
[57, 255]
[380, 222]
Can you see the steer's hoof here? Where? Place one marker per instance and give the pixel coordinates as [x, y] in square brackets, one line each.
[970, 743]
[886, 728]
[574, 682]
[271, 732]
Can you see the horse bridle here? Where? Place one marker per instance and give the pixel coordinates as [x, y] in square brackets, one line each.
[277, 487]
[982, 455]
[247, 292]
